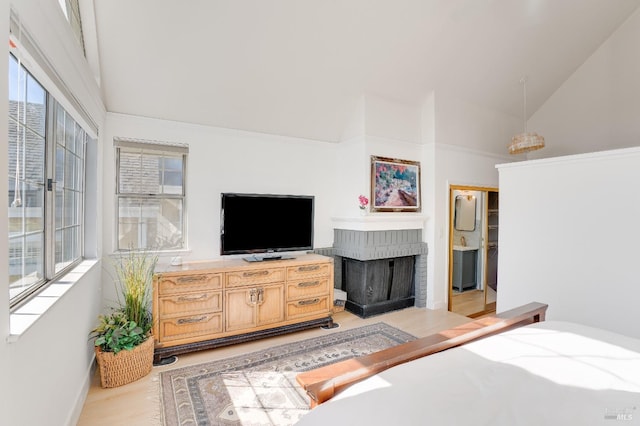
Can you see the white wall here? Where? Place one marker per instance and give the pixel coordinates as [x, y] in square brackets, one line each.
[393, 121]
[468, 125]
[569, 237]
[379, 127]
[223, 160]
[598, 107]
[449, 161]
[566, 224]
[453, 166]
[352, 176]
[51, 363]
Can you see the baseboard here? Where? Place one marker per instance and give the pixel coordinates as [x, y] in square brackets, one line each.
[437, 305]
[76, 411]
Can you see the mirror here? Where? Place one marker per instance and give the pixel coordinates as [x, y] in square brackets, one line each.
[465, 213]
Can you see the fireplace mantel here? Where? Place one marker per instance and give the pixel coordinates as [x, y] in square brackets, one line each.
[381, 222]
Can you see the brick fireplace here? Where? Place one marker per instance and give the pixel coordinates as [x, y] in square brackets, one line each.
[381, 270]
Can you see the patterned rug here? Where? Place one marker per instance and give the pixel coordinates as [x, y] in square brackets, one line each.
[260, 388]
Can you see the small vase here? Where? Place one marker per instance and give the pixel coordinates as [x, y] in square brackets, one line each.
[363, 212]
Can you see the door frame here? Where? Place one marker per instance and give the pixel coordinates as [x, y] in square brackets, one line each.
[485, 190]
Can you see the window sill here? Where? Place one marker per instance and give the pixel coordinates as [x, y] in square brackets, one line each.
[29, 313]
[162, 254]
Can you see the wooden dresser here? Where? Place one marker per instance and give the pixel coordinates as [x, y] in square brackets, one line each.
[203, 305]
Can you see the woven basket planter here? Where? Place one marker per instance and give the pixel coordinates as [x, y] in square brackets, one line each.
[125, 366]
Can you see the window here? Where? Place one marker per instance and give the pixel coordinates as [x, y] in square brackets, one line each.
[150, 193]
[69, 188]
[71, 9]
[46, 155]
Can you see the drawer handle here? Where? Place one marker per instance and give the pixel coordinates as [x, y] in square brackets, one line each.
[192, 278]
[255, 274]
[192, 298]
[308, 268]
[192, 320]
[308, 302]
[309, 284]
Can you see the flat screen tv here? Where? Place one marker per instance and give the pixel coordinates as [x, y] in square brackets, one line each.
[265, 224]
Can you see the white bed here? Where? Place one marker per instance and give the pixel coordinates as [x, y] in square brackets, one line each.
[548, 373]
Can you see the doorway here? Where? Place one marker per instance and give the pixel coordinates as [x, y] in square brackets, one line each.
[473, 250]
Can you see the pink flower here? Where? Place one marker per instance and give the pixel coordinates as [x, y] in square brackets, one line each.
[364, 201]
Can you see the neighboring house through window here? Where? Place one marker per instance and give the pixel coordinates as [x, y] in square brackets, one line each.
[150, 194]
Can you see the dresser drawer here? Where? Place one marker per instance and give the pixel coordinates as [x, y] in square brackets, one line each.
[169, 284]
[314, 286]
[305, 271]
[192, 326]
[308, 307]
[190, 303]
[254, 276]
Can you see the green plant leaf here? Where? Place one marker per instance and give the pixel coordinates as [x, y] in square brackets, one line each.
[129, 324]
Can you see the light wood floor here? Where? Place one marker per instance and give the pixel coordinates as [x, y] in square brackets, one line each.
[472, 301]
[138, 403]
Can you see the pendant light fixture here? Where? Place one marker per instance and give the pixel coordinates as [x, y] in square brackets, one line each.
[525, 142]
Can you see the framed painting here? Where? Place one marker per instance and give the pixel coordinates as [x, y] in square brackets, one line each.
[395, 185]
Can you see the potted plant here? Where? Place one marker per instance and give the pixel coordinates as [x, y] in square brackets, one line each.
[123, 342]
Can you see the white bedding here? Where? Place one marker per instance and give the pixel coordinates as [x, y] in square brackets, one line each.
[549, 373]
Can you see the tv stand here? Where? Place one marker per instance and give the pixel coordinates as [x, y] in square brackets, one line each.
[208, 304]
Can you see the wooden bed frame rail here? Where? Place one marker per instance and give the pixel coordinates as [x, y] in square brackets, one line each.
[322, 383]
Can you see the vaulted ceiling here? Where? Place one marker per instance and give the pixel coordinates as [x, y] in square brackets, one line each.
[298, 67]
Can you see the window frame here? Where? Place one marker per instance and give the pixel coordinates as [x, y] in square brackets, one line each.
[56, 107]
[150, 148]
[49, 163]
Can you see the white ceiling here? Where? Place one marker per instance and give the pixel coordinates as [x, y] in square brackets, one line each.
[298, 67]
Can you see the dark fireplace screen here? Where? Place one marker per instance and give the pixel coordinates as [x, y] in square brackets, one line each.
[377, 286]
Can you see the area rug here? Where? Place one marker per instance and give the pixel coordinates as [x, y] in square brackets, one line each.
[260, 388]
